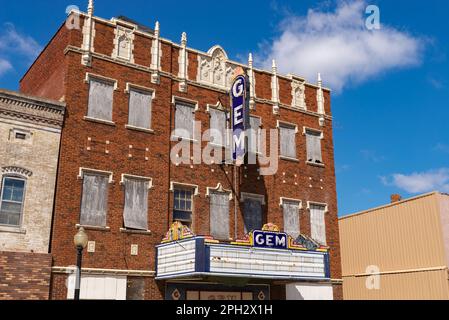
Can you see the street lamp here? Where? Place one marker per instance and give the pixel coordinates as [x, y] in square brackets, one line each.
[80, 241]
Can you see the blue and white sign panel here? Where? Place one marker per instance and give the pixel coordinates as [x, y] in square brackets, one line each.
[270, 240]
[239, 116]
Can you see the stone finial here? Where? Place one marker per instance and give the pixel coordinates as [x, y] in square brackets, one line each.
[184, 39]
[157, 29]
[90, 8]
[250, 60]
[320, 81]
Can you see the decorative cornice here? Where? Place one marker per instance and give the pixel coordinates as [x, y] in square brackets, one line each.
[14, 105]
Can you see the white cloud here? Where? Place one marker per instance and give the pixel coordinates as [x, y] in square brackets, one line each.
[14, 42]
[339, 45]
[15, 46]
[5, 66]
[433, 180]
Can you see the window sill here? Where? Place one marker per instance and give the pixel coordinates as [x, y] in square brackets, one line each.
[179, 139]
[16, 230]
[129, 127]
[106, 122]
[289, 159]
[140, 232]
[314, 164]
[94, 228]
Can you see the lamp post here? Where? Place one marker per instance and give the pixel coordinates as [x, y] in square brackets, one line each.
[80, 241]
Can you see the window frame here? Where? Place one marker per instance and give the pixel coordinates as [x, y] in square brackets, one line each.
[99, 78]
[110, 176]
[283, 200]
[226, 139]
[150, 186]
[189, 103]
[305, 133]
[143, 90]
[325, 206]
[191, 211]
[17, 178]
[292, 126]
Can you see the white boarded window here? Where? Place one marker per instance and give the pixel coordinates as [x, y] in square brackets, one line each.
[101, 95]
[218, 125]
[318, 223]
[288, 141]
[252, 215]
[291, 217]
[184, 120]
[219, 215]
[136, 203]
[254, 135]
[314, 146]
[94, 199]
[140, 109]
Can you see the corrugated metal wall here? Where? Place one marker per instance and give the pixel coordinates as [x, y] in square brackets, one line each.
[400, 237]
[428, 285]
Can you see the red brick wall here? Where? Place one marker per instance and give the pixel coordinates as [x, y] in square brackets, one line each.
[113, 247]
[24, 276]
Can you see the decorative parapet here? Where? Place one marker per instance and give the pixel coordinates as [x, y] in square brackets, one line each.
[215, 69]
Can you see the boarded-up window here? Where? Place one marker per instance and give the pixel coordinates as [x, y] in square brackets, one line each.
[140, 109]
[318, 224]
[184, 121]
[136, 204]
[100, 100]
[291, 218]
[12, 199]
[314, 146]
[254, 135]
[252, 215]
[218, 127]
[219, 215]
[94, 200]
[288, 141]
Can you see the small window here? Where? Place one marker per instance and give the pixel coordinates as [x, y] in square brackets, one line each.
[219, 215]
[288, 141]
[12, 199]
[252, 215]
[218, 126]
[291, 217]
[136, 204]
[94, 200]
[314, 147]
[184, 121]
[318, 223]
[140, 109]
[21, 136]
[183, 206]
[254, 135]
[101, 95]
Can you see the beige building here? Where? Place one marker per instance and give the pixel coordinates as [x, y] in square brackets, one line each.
[399, 251]
[30, 130]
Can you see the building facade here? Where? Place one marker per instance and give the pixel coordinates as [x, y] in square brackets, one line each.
[397, 252]
[132, 97]
[30, 129]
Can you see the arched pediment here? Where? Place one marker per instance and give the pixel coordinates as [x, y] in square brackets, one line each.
[217, 51]
[17, 171]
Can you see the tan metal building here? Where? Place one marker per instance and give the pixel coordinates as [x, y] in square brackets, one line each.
[397, 252]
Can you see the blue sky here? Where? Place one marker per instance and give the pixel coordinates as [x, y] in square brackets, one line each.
[391, 86]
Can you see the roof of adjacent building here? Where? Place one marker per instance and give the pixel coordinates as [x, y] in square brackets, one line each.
[18, 106]
[393, 204]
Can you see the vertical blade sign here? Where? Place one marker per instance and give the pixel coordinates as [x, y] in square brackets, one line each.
[239, 116]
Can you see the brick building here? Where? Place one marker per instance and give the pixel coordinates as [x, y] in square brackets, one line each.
[130, 95]
[30, 128]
